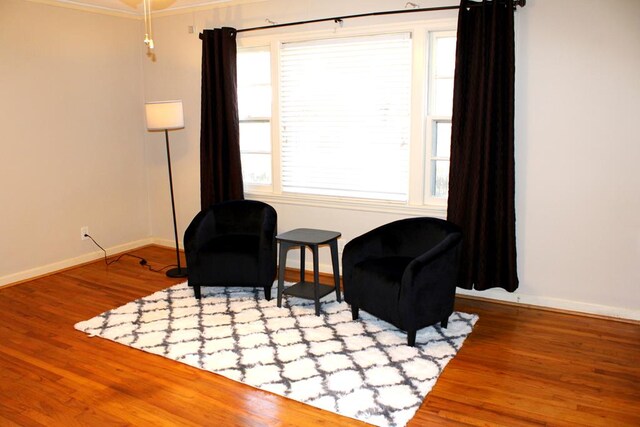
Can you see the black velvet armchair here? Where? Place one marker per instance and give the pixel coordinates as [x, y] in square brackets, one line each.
[404, 273]
[232, 244]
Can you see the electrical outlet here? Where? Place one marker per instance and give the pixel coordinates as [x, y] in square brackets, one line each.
[84, 231]
[341, 243]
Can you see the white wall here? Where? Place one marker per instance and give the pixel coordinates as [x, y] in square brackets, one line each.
[578, 204]
[578, 154]
[174, 73]
[71, 147]
[82, 78]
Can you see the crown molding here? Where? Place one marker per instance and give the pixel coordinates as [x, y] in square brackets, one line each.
[191, 5]
[69, 4]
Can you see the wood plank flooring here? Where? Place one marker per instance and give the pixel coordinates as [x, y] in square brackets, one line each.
[520, 366]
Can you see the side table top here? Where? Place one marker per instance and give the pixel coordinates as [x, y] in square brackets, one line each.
[308, 235]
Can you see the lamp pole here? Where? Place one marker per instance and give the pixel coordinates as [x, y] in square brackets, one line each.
[168, 115]
[174, 272]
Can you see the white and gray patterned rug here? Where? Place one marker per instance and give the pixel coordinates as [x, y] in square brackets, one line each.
[361, 369]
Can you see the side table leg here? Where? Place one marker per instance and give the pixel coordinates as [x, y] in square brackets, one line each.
[303, 249]
[336, 268]
[316, 279]
[282, 260]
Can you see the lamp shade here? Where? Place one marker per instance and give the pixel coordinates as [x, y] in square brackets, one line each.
[164, 115]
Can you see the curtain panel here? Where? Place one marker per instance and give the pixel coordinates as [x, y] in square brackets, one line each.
[482, 172]
[220, 167]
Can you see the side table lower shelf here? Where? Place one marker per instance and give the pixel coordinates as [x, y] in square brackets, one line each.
[305, 290]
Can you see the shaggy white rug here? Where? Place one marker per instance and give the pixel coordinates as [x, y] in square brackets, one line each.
[361, 369]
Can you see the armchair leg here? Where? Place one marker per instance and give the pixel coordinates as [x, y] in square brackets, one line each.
[411, 338]
[196, 291]
[444, 322]
[354, 312]
[267, 293]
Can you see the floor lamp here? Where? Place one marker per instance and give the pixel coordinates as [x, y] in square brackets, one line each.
[166, 116]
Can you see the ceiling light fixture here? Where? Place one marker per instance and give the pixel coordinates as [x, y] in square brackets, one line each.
[148, 32]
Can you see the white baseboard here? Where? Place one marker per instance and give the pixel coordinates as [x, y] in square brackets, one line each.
[518, 298]
[491, 294]
[70, 262]
[171, 244]
[554, 303]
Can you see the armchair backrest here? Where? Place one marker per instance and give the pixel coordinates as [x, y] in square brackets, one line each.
[412, 237]
[241, 217]
[248, 217]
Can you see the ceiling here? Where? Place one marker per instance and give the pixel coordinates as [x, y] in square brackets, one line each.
[134, 7]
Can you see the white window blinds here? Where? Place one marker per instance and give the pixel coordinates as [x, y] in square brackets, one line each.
[345, 116]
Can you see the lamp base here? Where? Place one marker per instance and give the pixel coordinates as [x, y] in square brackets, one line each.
[177, 272]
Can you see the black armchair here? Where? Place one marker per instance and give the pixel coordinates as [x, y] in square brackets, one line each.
[404, 273]
[232, 244]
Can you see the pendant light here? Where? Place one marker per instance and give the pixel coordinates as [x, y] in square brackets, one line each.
[148, 32]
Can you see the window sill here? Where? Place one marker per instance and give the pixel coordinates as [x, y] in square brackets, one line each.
[401, 208]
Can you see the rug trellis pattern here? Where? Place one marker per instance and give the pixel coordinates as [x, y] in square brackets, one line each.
[361, 369]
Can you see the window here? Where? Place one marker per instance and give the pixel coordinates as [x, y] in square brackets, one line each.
[439, 161]
[357, 118]
[345, 116]
[440, 96]
[254, 108]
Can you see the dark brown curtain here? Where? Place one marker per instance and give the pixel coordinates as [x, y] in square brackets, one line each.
[220, 168]
[481, 177]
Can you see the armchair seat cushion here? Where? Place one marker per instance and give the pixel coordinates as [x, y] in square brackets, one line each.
[232, 243]
[388, 269]
[230, 269]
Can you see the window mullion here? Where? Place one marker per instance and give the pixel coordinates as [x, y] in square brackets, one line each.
[418, 97]
[441, 67]
[276, 144]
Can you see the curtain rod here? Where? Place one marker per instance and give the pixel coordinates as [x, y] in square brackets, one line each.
[337, 19]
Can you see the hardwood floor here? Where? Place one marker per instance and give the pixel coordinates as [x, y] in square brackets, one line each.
[520, 366]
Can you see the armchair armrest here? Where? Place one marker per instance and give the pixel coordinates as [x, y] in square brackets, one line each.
[450, 244]
[380, 242]
[429, 281]
[193, 241]
[363, 247]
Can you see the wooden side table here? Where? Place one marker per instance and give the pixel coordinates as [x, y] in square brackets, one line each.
[303, 237]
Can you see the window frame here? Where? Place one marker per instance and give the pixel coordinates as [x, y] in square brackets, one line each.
[387, 115]
[420, 124]
[263, 188]
[431, 120]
